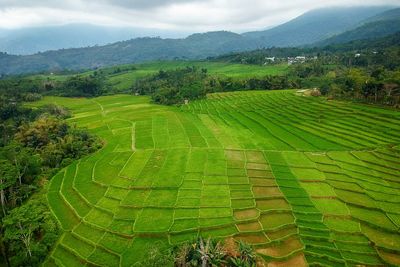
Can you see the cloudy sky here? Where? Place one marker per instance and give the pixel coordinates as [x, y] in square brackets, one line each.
[175, 15]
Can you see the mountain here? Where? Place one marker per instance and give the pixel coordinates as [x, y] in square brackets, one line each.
[314, 26]
[39, 39]
[306, 29]
[392, 14]
[258, 56]
[381, 25]
[195, 46]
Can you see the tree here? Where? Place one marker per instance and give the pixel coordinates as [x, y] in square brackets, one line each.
[41, 132]
[7, 178]
[30, 231]
[83, 86]
[355, 81]
[24, 160]
[372, 88]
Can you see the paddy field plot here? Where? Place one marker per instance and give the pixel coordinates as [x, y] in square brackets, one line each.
[122, 78]
[304, 180]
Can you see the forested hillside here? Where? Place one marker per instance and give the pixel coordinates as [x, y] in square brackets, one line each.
[314, 26]
[34, 145]
[306, 29]
[381, 25]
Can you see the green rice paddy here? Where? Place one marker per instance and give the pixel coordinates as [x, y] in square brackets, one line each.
[302, 179]
[122, 78]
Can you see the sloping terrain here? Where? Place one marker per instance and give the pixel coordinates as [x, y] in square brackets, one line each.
[31, 40]
[314, 26]
[302, 179]
[382, 25]
[311, 27]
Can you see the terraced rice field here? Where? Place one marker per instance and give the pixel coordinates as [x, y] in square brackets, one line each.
[302, 179]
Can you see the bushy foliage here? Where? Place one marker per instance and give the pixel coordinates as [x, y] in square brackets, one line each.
[372, 85]
[30, 232]
[29, 89]
[78, 86]
[34, 144]
[204, 252]
[175, 86]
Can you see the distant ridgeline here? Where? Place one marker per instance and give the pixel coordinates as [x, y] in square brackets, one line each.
[263, 56]
[362, 70]
[319, 27]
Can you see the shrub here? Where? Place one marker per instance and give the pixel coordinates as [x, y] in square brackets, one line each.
[212, 252]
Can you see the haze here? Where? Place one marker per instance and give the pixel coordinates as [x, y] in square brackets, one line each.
[169, 15]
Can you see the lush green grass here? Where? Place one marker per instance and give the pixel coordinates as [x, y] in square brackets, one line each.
[297, 177]
[121, 78]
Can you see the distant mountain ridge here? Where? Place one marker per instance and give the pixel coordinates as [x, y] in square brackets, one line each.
[381, 25]
[313, 26]
[32, 40]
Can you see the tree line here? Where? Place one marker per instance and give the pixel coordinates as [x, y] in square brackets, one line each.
[372, 83]
[173, 87]
[32, 88]
[363, 70]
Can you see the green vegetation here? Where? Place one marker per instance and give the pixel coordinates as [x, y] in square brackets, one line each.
[363, 71]
[34, 145]
[381, 25]
[203, 252]
[303, 30]
[360, 71]
[121, 79]
[180, 85]
[297, 175]
[301, 179]
[173, 87]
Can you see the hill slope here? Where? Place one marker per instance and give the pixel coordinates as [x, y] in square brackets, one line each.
[136, 50]
[39, 39]
[314, 26]
[378, 26]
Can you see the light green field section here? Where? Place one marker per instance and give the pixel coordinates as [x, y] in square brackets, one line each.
[122, 78]
[302, 179]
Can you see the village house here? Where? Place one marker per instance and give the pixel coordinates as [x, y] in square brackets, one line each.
[272, 59]
[298, 59]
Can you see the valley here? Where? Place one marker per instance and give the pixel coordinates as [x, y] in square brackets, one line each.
[186, 133]
[302, 179]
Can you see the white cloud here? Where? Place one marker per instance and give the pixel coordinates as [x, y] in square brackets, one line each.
[180, 15]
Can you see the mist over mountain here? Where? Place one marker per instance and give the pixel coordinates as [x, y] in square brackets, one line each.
[309, 28]
[381, 25]
[314, 26]
[28, 41]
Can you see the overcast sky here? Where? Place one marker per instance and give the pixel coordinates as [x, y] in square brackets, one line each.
[176, 15]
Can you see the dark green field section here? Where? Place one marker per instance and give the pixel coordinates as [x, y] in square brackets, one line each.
[304, 180]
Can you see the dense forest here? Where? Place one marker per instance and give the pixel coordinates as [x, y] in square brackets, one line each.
[175, 86]
[369, 74]
[34, 145]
